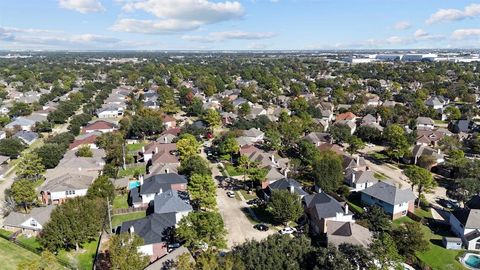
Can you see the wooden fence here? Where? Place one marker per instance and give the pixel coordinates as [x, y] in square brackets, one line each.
[121, 211]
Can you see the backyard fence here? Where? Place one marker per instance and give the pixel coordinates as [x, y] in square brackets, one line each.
[121, 211]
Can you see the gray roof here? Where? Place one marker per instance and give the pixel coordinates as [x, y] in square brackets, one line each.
[155, 183]
[68, 182]
[253, 132]
[315, 137]
[339, 232]
[389, 193]
[362, 177]
[470, 218]
[40, 214]
[324, 205]
[169, 202]
[164, 263]
[286, 183]
[151, 228]
[20, 121]
[369, 119]
[26, 136]
[4, 159]
[425, 121]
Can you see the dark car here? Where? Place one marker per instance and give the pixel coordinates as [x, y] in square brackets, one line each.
[261, 227]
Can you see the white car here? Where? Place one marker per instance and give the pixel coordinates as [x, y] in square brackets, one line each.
[287, 230]
[231, 194]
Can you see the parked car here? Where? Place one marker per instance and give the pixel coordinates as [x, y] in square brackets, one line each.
[287, 230]
[261, 227]
[231, 194]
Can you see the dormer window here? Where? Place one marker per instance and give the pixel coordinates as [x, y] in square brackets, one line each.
[33, 223]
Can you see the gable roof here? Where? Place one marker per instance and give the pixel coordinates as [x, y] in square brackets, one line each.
[40, 214]
[425, 121]
[470, 218]
[66, 182]
[362, 177]
[163, 182]
[339, 232]
[345, 116]
[389, 193]
[316, 137]
[323, 205]
[253, 132]
[151, 228]
[286, 183]
[100, 124]
[26, 136]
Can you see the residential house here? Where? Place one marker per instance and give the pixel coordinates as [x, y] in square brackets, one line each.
[374, 101]
[31, 223]
[318, 138]
[394, 201]
[99, 126]
[169, 121]
[425, 123]
[254, 135]
[88, 139]
[111, 111]
[360, 180]
[437, 102]
[428, 137]
[22, 123]
[154, 185]
[349, 116]
[421, 150]
[265, 159]
[28, 137]
[347, 123]
[461, 126]
[57, 190]
[465, 223]
[170, 202]
[228, 118]
[285, 184]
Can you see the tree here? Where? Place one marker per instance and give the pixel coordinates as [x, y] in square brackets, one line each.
[385, 252]
[354, 144]
[84, 151]
[212, 118]
[453, 113]
[124, 254]
[77, 221]
[377, 220]
[340, 133]
[421, 178]
[30, 166]
[23, 192]
[46, 261]
[328, 171]
[50, 154]
[396, 140]
[20, 109]
[146, 122]
[368, 134]
[202, 190]
[244, 109]
[102, 187]
[467, 187]
[185, 262]
[228, 146]
[244, 163]
[194, 165]
[187, 146]
[273, 139]
[409, 239]
[356, 255]
[285, 206]
[11, 147]
[200, 228]
[329, 258]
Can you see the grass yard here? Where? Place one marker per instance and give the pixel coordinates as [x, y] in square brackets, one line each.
[436, 257]
[131, 171]
[248, 196]
[82, 259]
[134, 147]
[30, 242]
[120, 201]
[423, 213]
[12, 255]
[118, 219]
[380, 176]
[232, 171]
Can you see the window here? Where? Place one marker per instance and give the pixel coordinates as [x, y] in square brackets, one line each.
[70, 192]
[33, 223]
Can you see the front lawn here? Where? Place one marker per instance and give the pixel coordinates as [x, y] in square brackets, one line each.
[436, 257]
[119, 219]
[232, 171]
[82, 259]
[12, 255]
[120, 201]
[248, 196]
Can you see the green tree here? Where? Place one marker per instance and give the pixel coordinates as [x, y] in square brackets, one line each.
[409, 239]
[11, 147]
[453, 113]
[421, 178]
[46, 261]
[50, 154]
[84, 151]
[228, 146]
[285, 206]
[200, 228]
[385, 251]
[356, 255]
[212, 118]
[340, 133]
[102, 187]
[377, 220]
[124, 254]
[354, 144]
[273, 139]
[30, 166]
[187, 146]
[328, 171]
[396, 140]
[23, 192]
[194, 165]
[466, 188]
[20, 109]
[202, 190]
[245, 164]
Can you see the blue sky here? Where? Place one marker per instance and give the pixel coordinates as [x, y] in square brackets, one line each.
[235, 25]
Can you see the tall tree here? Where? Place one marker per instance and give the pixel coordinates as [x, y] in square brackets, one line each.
[421, 178]
[212, 118]
[50, 154]
[385, 252]
[187, 146]
[285, 206]
[30, 166]
[11, 147]
[409, 239]
[124, 254]
[23, 192]
[200, 228]
[328, 171]
[194, 165]
[202, 190]
[102, 188]
[396, 140]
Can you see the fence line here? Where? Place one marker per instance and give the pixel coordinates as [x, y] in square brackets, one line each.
[121, 211]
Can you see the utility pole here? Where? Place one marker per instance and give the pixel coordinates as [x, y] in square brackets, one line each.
[123, 153]
[109, 216]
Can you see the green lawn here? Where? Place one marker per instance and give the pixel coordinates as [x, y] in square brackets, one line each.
[120, 201]
[423, 213]
[247, 196]
[5, 233]
[83, 259]
[30, 242]
[232, 171]
[12, 255]
[380, 176]
[131, 171]
[436, 257]
[134, 147]
[118, 219]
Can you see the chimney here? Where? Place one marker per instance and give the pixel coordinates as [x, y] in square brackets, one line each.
[156, 149]
[273, 158]
[292, 189]
[353, 177]
[143, 149]
[285, 172]
[358, 160]
[131, 230]
[141, 179]
[165, 139]
[346, 208]
[167, 170]
[324, 229]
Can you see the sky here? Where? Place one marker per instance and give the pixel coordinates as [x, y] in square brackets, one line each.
[238, 25]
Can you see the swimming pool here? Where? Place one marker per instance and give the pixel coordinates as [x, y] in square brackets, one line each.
[133, 184]
[471, 260]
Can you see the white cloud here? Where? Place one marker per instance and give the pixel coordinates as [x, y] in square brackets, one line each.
[257, 46]
[470, 11]
[403, 25]
[461, 34]
[232, 35]
[82, 6]
[420, 33]
[177, 15]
